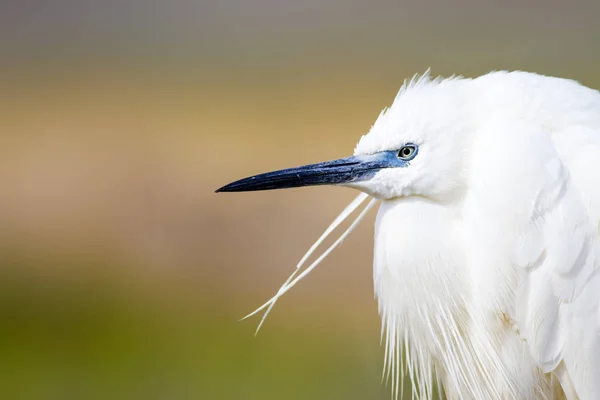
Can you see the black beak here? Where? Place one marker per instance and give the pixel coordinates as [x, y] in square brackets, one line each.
[336, 172]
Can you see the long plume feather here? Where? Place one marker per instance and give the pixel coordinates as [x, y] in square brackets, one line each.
[293, 279]
[338, 220]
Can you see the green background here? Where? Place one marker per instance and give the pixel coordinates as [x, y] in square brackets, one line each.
[122, 275]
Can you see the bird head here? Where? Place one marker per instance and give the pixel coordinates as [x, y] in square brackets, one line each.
[415, 148]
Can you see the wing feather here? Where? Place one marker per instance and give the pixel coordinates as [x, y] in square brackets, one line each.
[558, 302]
[547, 247]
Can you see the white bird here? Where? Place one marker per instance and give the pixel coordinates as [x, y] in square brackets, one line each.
[487, 250]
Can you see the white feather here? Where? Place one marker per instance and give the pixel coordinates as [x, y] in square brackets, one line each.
[487, 255]
[487, 252]
[293, 280]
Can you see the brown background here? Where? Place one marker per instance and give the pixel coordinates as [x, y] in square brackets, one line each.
[122, 274]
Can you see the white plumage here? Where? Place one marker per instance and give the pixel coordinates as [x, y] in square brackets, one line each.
[487, 257]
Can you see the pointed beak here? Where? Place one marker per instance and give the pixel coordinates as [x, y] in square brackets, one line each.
[336, 172]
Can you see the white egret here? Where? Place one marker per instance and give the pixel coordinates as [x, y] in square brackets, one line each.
[487, 256]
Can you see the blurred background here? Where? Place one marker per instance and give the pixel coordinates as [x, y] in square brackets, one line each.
[122, 274]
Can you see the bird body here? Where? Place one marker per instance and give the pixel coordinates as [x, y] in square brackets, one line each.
[487, 255]
[493, 282]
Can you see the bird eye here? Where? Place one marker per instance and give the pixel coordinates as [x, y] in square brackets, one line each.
[407, 152]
